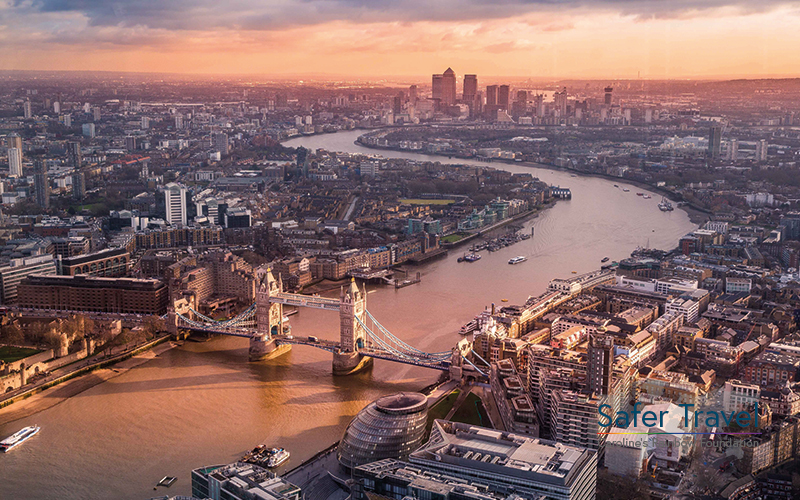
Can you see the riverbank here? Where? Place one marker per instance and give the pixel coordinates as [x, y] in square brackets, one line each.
[697, 215]
[71, 384]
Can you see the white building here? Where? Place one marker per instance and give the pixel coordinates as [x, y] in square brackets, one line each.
[14, 162]
[736, 285]
[88, 129]
[738, 396]
[717, 226]
[690, 309]
[175, 198]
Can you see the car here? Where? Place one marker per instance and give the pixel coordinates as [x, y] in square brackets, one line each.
[312, 339]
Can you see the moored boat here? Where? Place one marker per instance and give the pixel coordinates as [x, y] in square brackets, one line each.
[472, 257]
[276, 456]
[517, 260]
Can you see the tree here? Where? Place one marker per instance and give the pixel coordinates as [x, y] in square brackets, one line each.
[11, 334]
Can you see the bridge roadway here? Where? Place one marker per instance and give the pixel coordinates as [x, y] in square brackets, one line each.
[299, 300]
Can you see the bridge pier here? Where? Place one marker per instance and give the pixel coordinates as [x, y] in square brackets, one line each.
[263, 348]
[348, 363]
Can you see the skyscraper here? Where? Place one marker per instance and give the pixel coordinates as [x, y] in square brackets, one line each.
[27, 113]
[436, 87]
[175, 200]
[504, 97]
[78, 185]
[470, 89]
[41, 184]
[412, 95]
[609, 95]
[74, 155]
[714, 140]
[491, 95]
[14, 162]
[449, 87]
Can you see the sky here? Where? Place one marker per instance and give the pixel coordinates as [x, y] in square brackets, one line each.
[617, 39]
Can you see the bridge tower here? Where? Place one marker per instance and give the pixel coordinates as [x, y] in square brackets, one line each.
[269, 319]
[352, 336]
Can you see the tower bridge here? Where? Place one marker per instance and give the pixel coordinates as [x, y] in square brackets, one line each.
[361, 337]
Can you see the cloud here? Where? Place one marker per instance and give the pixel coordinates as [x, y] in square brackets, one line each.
[272, 15]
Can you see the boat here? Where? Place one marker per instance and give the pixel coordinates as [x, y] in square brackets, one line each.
[276, 456]
[525, 236]
[604, 259]
[460, 259]
[665, 205]
[468, 328]
[646, 196]
[616, 186]
[18, 438]
[574, 272]
[626, 190]
[518, 259]
[472, 257]
[639, 194]
[167, 481]
[504, 300]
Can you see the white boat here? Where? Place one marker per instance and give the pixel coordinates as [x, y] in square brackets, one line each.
[277, 456]
[17, 439]
[518, 259]
[468, 328]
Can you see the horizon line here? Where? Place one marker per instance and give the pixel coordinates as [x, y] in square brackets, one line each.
[333, 76]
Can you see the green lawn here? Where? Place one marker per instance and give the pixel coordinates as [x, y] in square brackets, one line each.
[416, 201]
[9, 354]
[472, 412]
[451, 238]
[441, 409]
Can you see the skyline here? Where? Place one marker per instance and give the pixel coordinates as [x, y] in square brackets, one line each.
[683, 40]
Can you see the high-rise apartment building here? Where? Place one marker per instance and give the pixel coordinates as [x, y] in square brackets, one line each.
[733, 150]
[221, 143]
[14, 141]
[27, 113]
[78, 185]
[88, 130]
[41, 184]
[608, 98]
[561, 102]
[175, 200]
[761, 150]
[14, 162]
[600, 363]
[714, 140]
[74, 154]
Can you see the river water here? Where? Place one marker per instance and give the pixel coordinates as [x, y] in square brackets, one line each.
[203, 403]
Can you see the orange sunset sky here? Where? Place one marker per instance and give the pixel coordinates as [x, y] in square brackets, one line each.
[364, 38]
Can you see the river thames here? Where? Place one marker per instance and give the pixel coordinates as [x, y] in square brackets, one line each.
[203, 403]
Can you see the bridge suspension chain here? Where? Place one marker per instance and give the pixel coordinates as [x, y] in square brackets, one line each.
[389, 334]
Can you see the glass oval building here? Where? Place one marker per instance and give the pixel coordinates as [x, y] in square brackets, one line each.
[391, 427]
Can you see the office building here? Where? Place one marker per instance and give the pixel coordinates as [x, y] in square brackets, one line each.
[470, 89]
[608, 97]
[18, 269]
[505, 462]
[391, 427]
[444, 87]
[14, 162]
[491, 95]
[175, 202]
[504, 97]
[78, 185]
[238, 217]
[93, 294]
[41, 185]
[241, 481]
[714, 140]
[110, 262]
[130, 143]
